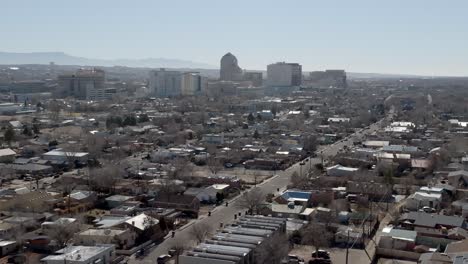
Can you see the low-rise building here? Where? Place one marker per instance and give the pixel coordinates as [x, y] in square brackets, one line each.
[82, 255]
[7, 155]
[65, 156]
[7, 247]
[341, 171]
[243, 242]
[122, 238]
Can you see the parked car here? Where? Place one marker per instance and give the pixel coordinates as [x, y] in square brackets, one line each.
[321, 254]
[320, 261]
[162, 259]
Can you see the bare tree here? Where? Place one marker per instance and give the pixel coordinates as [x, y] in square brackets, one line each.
[317, 236]
[63, 232]
[252, 200]
[54, 108]
[200, 231]
[167, 188]
[299, 181]
[178, 245]
[182, 168]
[273, 250]
[105, 178]
[214, 165]
[95, 145]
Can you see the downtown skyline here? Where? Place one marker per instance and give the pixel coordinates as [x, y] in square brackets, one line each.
[422, 37]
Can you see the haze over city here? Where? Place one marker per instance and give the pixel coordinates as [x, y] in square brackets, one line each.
[234, 132]
[404, 37]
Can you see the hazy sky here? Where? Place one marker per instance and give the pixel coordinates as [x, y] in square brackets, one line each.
[386, 36]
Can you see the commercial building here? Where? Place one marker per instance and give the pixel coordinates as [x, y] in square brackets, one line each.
[13, 108]
[192, 83]
[164, 83]
[239, 243]
[85, 84]
[284, 74]
[327, 79]
[255, 77]
[230, 70]
[82, 255]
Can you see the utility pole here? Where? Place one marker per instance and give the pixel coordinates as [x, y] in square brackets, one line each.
[347, 247]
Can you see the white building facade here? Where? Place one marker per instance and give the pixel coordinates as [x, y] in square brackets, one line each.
[284, 74]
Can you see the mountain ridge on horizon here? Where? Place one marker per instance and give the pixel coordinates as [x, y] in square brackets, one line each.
[62, 58]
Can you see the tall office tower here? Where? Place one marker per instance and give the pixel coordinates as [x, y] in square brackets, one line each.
[164, 83]
[192, 83]
[328, 79]
[230, 71]
[284, 74]
[83, 84]
[255, 77]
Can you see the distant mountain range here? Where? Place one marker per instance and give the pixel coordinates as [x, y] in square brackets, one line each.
[61, 58]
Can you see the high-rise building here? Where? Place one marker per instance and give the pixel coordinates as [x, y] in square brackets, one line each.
[282, 74]
[230, 70]
[163, 83]
[83, 85]
[192, 83]
[255, 77]
[327, 79]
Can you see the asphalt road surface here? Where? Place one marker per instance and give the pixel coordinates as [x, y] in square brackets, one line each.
[225, 215]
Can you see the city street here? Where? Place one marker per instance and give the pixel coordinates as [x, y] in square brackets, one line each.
[225, 215]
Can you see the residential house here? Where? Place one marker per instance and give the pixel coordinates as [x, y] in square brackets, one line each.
[399, 239]
[83, 196]
[375, 144]
[422, 219]
[349, 236]
[435, 258]
[217, 139]
[421, 199]
[434, 229]
[124, 239]
[7, 155]
[184, 203]
[458, 179]
[421, 164]
[141, 222]
[70, 223]
[117, 200]
[7, 247]
[205, 195]
[341, 171]
[57, 155]
[400, 149]
[297, 197]
[372, 190]
[289, 210]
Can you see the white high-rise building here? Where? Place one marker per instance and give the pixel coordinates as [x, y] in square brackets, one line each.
[284, 74]
[164, 83]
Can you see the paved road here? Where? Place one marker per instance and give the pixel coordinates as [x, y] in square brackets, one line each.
[223, 214]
